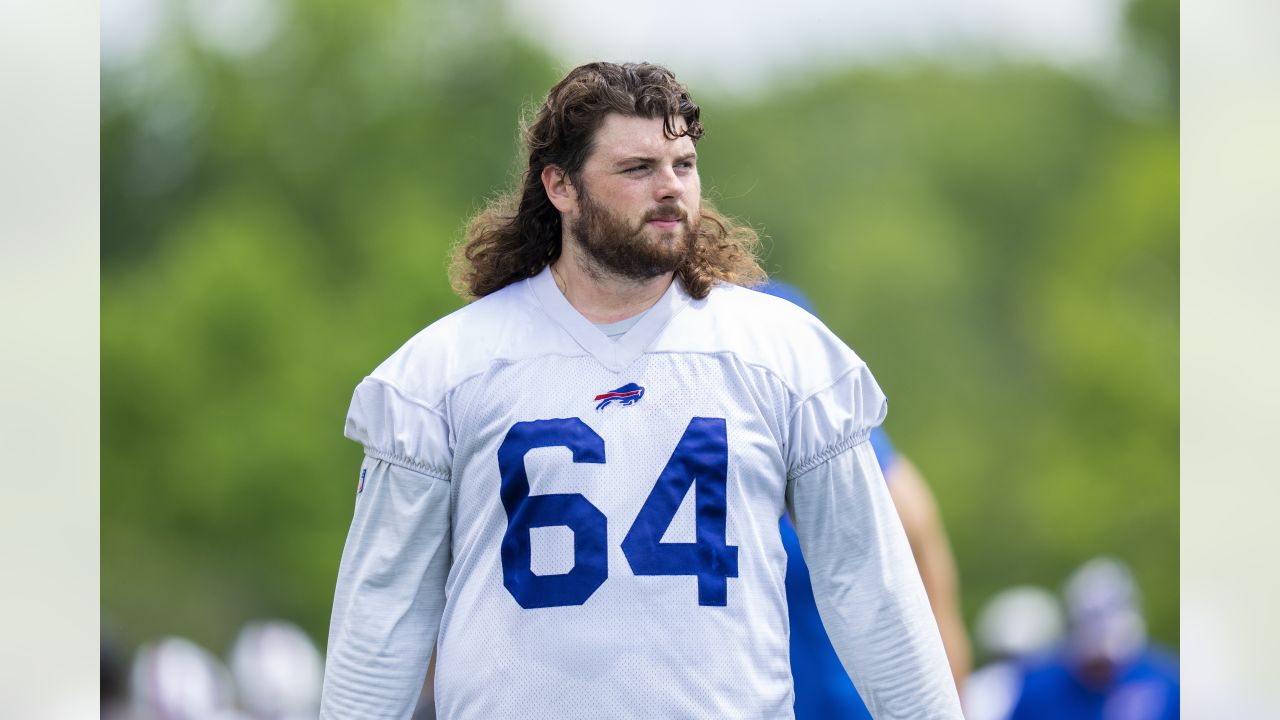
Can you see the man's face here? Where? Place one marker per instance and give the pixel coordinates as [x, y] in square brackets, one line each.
[639, 199]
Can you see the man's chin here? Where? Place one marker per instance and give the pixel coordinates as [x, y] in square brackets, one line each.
[674, 240]
[668, 248]
[639, 270]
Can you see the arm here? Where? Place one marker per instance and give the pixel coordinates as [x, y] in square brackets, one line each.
[390, 594]
[928, 539]
[868, 590]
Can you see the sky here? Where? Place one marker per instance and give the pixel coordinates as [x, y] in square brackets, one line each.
[737, 43]
[730, 43]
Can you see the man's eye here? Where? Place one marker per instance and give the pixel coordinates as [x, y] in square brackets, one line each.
[636, 169]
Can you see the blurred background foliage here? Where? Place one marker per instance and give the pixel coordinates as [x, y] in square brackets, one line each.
[998, 239]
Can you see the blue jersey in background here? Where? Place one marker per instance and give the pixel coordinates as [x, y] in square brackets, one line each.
[1145, 688]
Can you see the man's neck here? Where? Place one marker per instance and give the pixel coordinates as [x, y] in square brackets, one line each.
[600, 296]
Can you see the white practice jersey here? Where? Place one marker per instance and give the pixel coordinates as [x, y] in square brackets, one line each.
[612, 506]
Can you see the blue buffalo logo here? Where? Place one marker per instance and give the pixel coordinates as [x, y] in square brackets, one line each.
[628, 394]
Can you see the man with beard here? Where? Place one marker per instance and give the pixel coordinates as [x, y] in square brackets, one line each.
[571, 486]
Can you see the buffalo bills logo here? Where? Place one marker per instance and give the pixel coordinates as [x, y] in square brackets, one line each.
[628, 394]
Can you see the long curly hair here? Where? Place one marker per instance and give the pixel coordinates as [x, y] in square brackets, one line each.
[518, 233]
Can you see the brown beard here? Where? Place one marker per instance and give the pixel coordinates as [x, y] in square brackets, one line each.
[611, 247]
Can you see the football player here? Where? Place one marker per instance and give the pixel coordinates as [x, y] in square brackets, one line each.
[571, 486]
[1106, 668]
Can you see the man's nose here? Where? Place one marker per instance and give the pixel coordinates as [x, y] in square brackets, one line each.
[669, 185]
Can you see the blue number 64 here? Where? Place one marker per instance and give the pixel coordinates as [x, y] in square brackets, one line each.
[699, 460]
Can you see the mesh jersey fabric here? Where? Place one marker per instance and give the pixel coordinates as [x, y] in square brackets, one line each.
[788, 395]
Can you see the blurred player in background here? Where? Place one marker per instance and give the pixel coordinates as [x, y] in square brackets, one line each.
[571, 487]
[277, 671]
[1017, 627]
[176, 679]
[1106, 670]
[823, 688]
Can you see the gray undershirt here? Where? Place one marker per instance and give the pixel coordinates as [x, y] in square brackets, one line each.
[620, 328]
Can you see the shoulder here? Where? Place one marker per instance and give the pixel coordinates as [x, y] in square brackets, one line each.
[833, 399]
[461, 345]
[400, 412]
[773, 334]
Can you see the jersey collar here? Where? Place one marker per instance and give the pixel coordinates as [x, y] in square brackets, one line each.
[614, 355]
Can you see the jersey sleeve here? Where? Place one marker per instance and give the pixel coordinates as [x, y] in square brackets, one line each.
[398, 428]
[390, 590]
[834, 418]
[868, 590]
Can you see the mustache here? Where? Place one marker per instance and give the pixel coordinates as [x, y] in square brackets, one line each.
[666, 212]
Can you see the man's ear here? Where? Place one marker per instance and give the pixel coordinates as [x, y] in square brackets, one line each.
[560, 189]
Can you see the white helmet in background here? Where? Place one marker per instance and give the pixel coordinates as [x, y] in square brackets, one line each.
[1104, 610]
[1016, 623]
[1020, 621]
[277, 669]
[175, 679]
